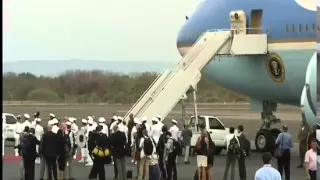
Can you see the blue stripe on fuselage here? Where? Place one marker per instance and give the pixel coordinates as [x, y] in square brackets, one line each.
[214, 14]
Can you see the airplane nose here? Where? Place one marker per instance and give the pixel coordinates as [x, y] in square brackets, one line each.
[186, 38]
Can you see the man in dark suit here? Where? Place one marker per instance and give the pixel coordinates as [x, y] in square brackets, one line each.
[242, 157]
[303, 144]
[29, 154]
[50, 147]
[118, 143]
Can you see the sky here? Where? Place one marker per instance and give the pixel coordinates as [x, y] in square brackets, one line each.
[109, 30]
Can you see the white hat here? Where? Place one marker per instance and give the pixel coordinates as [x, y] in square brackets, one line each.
[155, 119]
[174, 121]
[120, 118]
[38, 119]
[84, 121]
[159, 117]
[101, 119]
[72, 119]
[139, 122]
[52, 115]
[27, 116]
[55, 121]
[68, 123]
[115, 118]
[144, 119]
[136, 120]
[89, 117]
[90, 121]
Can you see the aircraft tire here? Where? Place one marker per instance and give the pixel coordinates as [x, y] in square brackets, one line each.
[264, 141]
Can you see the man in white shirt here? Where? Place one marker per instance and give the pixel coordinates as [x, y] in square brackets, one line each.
[114, 121]
[267, 172]
[311, 161]
[84, 149]
[38, 134]
[174, 130]
[18, 131]
[102, 121]
[26, 122]
[160, 121]
[233, 149]
[156, 130]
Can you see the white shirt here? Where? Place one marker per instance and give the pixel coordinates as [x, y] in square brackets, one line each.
[55, 129]
[124, 129]
[133, 133]
[104, 129]
[38, 131]
[141, 146]
[25, 124]
[174, 130]
[74, 128]
[267, 172]
[148, 128]
[228, 138]
[18, 128]
[33, 124]
[155, 132]
[112, 125]
[84, 127]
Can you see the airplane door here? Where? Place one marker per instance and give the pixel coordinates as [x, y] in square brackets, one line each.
[256, 22]
[238, 21]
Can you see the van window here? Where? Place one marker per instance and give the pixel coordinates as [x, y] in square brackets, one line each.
[11, 120]
[194, 127]
[215, 124]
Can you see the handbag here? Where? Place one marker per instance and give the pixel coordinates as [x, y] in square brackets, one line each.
[279, 152]
[100, 152]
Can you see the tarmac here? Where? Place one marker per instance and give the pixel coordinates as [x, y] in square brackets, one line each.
[229, 114]
[185, 172]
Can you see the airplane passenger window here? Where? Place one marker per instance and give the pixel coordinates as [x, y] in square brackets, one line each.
[287, 28]
[300, 28]
[215, 124]
[293, 28]
[313, 27]
[11, 120]
[307, 27]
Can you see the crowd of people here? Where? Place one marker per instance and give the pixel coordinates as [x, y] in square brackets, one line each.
[154, 149]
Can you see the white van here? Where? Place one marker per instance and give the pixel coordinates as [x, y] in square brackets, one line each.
[11, 122]
[214, 126]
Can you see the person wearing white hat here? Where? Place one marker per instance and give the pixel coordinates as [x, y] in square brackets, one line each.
[51, 116]
[94, 124]
[55, 127]
[174, 130]
[38, 134]
[84, 150]
[145, 124]
[26, 122]
[90, 129]
[71, 152]
[102, 121]
[74, 129]
[160, 120]
[156, 129]
[18, 131]
[113, 122]
[122, 126]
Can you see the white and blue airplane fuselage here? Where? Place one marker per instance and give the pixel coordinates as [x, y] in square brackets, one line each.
[278, 77]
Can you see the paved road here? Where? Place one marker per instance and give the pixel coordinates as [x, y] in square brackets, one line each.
[185, 172]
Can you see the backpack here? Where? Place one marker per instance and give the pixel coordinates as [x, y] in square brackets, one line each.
[148, 146]
[177, 149]
[25, 145]
[234, 147]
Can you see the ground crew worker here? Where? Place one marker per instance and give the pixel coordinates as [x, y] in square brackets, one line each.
[18, 131]
[72, 148]
[38, 134]
[26, 121]
[174, 130]
[156, 130]
[84, 149]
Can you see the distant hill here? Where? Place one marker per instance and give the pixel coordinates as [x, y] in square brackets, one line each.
[54, 68]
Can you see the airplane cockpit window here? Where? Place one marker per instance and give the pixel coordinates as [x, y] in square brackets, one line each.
[215, 124]
[10, 120]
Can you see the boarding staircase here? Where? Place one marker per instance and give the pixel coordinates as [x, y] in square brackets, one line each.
[165, 92]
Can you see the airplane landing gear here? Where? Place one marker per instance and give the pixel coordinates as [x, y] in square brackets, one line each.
[266, 136]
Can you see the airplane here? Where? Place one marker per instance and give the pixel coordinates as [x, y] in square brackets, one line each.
[287, 74]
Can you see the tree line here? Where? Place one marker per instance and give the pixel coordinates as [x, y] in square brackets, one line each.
[96, 86]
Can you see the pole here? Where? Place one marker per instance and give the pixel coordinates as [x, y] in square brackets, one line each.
[183, 106]
[195, 104]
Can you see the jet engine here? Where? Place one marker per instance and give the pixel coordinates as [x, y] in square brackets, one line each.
[309, 93]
